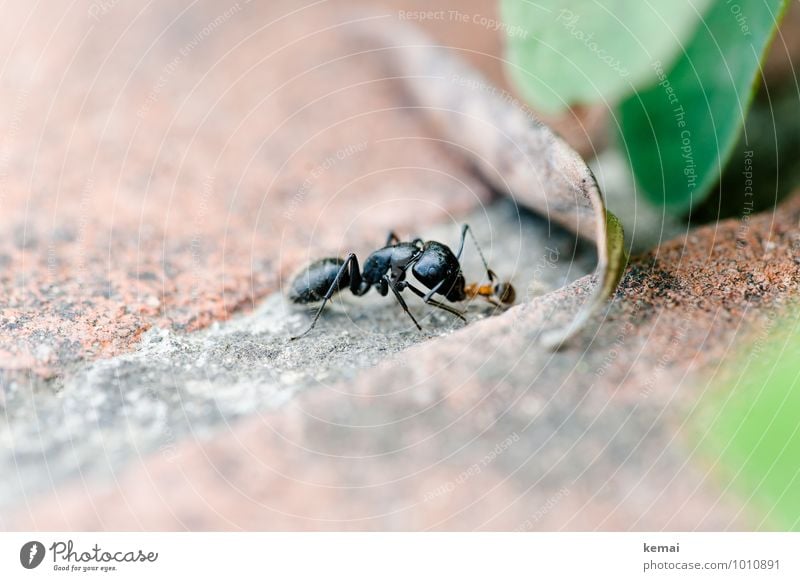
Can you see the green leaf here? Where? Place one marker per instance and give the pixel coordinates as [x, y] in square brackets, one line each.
[680, 131]
[563, 53]
[747, 426]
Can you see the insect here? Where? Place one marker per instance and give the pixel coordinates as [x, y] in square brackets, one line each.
[432, 263]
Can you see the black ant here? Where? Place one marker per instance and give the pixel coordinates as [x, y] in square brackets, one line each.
[432, 263]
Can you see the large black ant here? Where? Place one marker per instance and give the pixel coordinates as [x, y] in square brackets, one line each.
[432, 263]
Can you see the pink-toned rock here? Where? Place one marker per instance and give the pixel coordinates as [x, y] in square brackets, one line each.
[167, 167]
[487, 431]
[167, 174]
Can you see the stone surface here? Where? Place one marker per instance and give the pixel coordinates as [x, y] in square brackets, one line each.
[176, 385]
[482, 429]
[162, 168]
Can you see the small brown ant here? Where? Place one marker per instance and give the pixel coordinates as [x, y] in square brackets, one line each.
[433, 264]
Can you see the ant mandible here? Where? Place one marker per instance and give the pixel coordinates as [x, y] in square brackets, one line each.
[432, 263]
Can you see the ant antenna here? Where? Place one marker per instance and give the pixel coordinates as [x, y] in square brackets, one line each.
[464, 229]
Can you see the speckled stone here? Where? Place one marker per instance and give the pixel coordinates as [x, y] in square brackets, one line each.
[163, 168]
[483, 429]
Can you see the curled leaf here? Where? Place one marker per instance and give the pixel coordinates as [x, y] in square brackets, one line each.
[511, 149]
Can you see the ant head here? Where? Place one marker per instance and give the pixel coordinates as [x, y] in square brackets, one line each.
[504, 292]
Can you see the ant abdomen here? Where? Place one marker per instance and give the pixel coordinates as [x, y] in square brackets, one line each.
[504, 292]
[311, 283]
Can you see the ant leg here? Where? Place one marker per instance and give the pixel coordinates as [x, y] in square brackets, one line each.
[435, 303]
[489, 272]
[382, 287]
[427, 297]
[350, 262]
[392, 239]
[357, 285]
[401, 300]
